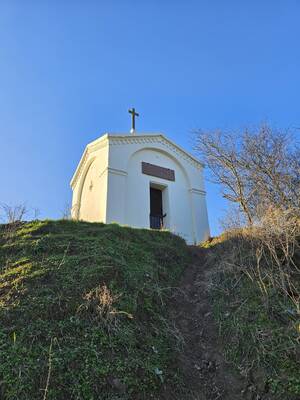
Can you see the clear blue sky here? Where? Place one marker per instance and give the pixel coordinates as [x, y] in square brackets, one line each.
[69, 71]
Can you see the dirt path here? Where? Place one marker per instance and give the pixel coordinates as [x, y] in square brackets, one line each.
[206, 373]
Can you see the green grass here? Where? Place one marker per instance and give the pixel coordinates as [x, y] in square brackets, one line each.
[60, 337]
[261, 340]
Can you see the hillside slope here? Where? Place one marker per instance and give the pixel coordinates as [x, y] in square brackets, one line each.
[82, 311]
[259, 330]
[93, 311]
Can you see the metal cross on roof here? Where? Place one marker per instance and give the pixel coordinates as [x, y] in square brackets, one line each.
[133, 115]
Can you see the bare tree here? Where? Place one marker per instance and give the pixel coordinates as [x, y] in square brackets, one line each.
[13, 214]
[220, 153]
[272, 163]
[255, 169]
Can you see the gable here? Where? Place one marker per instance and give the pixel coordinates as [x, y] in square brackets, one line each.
[131, 144]
[152, 139]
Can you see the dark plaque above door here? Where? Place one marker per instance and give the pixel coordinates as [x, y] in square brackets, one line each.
[159, 172]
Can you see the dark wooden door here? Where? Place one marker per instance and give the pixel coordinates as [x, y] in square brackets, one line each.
[156, 209]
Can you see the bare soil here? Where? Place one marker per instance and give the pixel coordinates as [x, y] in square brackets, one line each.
[206, 373]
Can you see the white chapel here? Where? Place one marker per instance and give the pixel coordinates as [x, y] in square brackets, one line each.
[143, 181]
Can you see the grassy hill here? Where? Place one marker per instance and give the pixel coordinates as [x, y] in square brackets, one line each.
[82, 311]
[260, 329]
[92, 311]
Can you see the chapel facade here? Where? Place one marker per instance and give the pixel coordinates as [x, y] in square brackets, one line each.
[143, 181]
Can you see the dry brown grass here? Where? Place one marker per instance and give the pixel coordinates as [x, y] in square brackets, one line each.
[256, 294]
[275, 242]
[99, 304]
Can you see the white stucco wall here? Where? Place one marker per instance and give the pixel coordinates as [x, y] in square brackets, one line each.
[137, 199]
[117, 187]
[89, 184]
[121, 193]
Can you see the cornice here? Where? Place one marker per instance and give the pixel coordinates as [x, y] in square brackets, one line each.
[115, 171]
[156, 138]
[198, 191]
